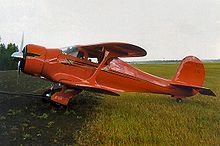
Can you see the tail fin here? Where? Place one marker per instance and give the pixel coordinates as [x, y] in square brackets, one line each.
[191, 73]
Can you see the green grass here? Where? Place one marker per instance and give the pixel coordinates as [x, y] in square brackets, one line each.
[130, 119]
[151, 119]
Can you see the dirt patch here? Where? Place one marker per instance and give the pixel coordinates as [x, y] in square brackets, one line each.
[29, 121]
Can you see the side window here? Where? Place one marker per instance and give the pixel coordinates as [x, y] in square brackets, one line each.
[93, 60]
[100, 56]
[81, 55]
[72, 50]
[96, 57]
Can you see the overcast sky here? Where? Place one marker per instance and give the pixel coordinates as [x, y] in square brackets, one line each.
[166, 29]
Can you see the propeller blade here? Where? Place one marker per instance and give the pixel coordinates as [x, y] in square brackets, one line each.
[19, 68]
[18, 72]
[18, 56]
[22, 43]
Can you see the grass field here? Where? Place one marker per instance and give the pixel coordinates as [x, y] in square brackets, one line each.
[130, 119]
[150, 119]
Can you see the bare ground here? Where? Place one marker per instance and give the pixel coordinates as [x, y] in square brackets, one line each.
[29, 121]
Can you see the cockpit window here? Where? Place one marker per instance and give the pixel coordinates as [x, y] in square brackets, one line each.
[73, 50]
[81, 55]
[88, 55]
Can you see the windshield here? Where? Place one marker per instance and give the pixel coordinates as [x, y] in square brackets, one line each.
[72, 50]
[82, 54]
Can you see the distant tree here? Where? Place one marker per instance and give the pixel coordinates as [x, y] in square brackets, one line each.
[2, 57]
[6, 62]
[11, 48]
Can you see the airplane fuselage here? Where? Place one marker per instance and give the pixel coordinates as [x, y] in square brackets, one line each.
[115, 75]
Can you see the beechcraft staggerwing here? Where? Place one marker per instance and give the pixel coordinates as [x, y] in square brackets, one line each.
[98, 68]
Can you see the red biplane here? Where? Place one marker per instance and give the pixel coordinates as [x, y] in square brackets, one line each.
[98, 68]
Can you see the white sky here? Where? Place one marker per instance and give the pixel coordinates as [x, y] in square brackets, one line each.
[166, 29]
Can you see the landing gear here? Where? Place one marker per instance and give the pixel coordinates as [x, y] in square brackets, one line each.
[59, 95]
[46, 96]
[179, 100]
[49, 92]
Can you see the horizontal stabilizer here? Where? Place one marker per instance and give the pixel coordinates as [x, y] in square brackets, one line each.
[201, 90]
[206, 91]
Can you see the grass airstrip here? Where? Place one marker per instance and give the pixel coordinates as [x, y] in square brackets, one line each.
[130, 119]
[149, 119]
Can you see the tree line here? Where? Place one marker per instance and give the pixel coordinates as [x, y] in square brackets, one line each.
[6, 62]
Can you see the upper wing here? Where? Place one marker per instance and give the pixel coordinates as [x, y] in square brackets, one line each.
[119, 49]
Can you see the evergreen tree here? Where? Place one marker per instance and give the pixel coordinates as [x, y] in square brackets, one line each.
[6, 62]
[2, 57]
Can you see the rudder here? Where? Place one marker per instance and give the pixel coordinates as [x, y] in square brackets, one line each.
[191, 72]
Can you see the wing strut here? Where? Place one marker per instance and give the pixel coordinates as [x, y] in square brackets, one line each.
[92, 79]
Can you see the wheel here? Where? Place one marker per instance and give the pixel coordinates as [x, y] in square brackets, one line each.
[46, 100]
[57, 105]
[47, 93]
[46, 96]
[179, 100]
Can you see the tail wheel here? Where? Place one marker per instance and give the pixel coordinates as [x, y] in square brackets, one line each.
[179, 100]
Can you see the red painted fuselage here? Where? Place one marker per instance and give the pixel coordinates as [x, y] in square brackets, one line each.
[109, 74]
